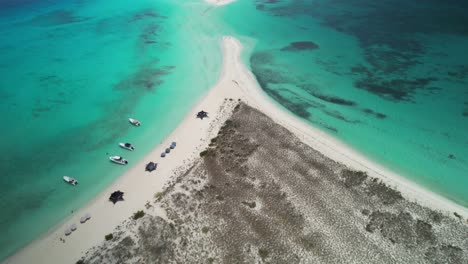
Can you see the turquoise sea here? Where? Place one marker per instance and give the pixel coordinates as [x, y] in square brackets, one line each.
[72, 73]
[389, 78]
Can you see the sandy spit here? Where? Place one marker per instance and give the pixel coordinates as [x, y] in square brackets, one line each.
[220, 2]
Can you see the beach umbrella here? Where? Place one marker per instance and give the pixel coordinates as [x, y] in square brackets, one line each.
[73, 227]
[116, 196]
[68, 231]
[168, 150]
[83, 219]
[88, 216]
[151, 166]
[173, 145]
[202, 114]
[163, 154]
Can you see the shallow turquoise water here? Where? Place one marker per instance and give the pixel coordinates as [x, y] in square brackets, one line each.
[388, 78]
[374, 75]
[72, 73]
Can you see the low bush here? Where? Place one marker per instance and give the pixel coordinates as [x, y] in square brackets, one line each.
[263, 253]
[158, 196]
[138, 214]
[109, 237]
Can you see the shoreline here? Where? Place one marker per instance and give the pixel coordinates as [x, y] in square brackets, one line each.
[343, 153]
[192, 136]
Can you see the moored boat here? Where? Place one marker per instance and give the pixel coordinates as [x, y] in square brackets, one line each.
[134, 122]
[127, 146]
[118, 160]
[70, 180]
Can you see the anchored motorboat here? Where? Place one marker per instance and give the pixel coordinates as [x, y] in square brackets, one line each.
[134, 122]
[70, 180]
[127, 146]
[118, 160]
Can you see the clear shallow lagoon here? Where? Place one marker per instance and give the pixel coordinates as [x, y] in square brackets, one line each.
[389, 82]
[72, 72]
[389, 78]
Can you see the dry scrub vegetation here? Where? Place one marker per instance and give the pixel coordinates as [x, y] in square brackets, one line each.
[259, 195]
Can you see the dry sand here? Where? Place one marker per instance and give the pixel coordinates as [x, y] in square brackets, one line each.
[192, 136]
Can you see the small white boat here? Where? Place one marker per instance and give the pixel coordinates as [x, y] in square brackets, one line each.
[118, 160]
[134, 122]
[127, 146]
[70, 180]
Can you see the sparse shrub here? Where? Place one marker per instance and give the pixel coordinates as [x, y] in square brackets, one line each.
[263, 253]
[205, 229]
[109, 237]
[249, 204]
[208, 152]
[353, 178]
[148, 205]
[80, 262]
[138, 214]
[386, 194]
[158, 196]
[436, 216]
[370, 228]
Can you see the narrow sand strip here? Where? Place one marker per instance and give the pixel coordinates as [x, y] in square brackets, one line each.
[220, 2]
[192, 136]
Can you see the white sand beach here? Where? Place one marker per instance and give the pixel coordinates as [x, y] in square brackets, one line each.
[192, 136]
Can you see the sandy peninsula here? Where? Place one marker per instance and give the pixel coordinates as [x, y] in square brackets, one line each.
[357, 187]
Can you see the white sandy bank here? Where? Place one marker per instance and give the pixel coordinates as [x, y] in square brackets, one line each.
[220, 2]
[192, 136]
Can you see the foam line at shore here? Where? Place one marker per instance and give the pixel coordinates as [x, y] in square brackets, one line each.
[192, 136]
